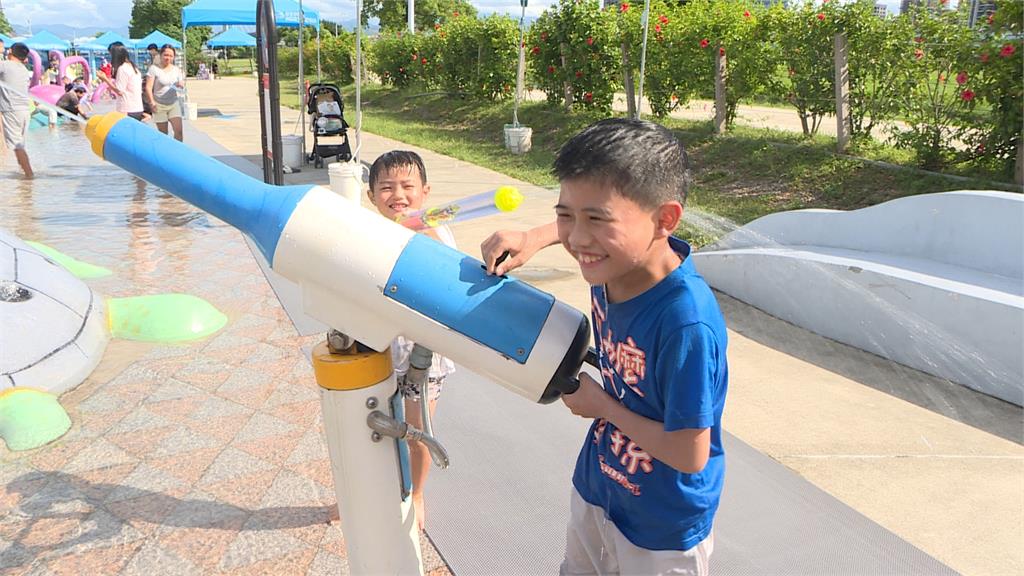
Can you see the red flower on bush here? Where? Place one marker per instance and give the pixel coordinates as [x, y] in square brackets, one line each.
[423, 61]
[579, 74]
[918, 39]
[990, 18]
[437, 26]
[967, 95]
[704, 43]
[721, 51]
[535, 50]
[1007, 51]
[551, 69]
[456, 13]
[414, 57]
[961, 77]
[401, 69]
[657, 27]
[588, 96]
[820, 16]
[942, 76]
[918, 54]
[746, 13]
[544, 36]
[624, 7]
[663, 19]
[984, 57]
[590, 41]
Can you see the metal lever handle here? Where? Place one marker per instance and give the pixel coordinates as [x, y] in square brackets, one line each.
[385, 425]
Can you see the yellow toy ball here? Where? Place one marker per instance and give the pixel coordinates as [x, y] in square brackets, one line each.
[507, 198]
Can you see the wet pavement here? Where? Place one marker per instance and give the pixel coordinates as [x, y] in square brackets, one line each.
[199, 458]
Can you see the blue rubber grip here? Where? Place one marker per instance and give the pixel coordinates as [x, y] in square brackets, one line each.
[502, 313]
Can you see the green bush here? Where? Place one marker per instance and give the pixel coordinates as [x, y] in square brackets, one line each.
[478, 57]
[576, 44]
[402, 60]
[999, 81]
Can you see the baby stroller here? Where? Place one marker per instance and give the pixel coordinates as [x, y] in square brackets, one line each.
[325, 107]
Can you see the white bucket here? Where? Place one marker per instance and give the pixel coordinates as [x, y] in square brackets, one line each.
[518, 139]
[291, 150]
[191, 110]
[347, 180]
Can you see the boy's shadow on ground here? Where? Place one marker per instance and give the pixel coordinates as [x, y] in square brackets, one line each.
[102, 512]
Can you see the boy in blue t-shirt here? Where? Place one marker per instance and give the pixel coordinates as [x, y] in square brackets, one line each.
[653, 461]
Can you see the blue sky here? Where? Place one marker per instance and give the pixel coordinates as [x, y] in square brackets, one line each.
[114, 14]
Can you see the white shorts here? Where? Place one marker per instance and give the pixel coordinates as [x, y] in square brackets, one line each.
[15, 124]
[595, 546]
[164, 112]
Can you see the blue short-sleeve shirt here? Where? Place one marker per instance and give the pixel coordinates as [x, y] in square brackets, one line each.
[662, 354]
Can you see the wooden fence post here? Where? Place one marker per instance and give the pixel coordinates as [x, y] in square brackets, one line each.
[721, 73]
[843, 123]
[567, 85]
[1018, 172]
[627, 82]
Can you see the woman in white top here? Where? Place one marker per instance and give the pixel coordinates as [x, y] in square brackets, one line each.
[126, 84]
[162, 83]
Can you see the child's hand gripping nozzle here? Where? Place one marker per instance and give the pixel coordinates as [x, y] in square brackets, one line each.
[373, 280]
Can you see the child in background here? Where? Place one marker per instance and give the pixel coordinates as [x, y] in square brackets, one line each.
[14, 108]
[652, 462]
[398, 184]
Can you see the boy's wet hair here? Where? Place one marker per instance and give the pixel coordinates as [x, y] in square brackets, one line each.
[642, 160]
[396, 159]
[20, 51]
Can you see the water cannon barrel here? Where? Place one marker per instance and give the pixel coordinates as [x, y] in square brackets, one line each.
[366, 275]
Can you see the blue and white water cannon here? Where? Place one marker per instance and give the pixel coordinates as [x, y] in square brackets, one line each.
[371, 279]
[365, 275]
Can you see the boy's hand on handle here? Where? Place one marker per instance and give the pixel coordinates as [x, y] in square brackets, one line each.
[589, 400]
[505, 250]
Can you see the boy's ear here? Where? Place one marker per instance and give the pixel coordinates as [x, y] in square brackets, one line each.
[369, 194]
[426, 189]
[667, 217]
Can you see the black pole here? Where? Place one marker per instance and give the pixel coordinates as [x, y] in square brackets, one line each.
[270, 96]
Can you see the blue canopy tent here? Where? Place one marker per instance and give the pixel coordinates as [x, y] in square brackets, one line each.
[288, 13]
[159, 38]
[231, 37]
[243, 12]
[45, 41]
[99, 45]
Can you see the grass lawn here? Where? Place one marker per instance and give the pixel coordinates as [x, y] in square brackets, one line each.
[741, 176]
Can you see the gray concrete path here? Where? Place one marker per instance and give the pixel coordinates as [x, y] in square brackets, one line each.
[952, 489]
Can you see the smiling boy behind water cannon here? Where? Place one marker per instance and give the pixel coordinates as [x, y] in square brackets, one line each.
[398, 185]
[652, 461]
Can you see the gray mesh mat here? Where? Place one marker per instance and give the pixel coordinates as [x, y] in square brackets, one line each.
[502, 506]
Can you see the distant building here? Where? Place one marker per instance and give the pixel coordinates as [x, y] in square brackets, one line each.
[980, 11]
[881, 10]
[906, 5]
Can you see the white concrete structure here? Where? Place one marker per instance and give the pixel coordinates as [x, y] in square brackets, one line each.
[52, 328]
[934, 282]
